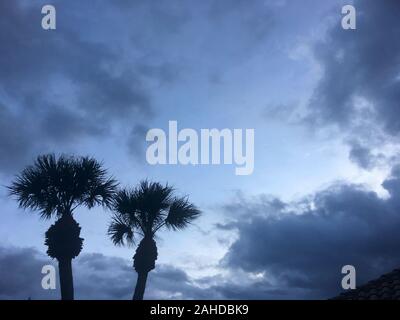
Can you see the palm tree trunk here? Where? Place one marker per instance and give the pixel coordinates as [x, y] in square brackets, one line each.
[66, 280]
[140, 286]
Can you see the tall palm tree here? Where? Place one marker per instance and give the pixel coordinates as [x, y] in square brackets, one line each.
[142, 212]
[56, 187]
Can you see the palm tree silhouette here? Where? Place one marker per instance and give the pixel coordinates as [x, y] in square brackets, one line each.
[143, 211]
[56, 187]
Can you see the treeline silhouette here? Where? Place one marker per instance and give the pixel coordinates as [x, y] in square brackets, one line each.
[57, 186]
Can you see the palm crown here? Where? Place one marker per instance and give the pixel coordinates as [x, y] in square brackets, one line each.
[143, 211]
[57, 186]
[146, 209]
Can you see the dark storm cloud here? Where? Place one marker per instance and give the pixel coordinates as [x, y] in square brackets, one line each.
[58, 87]
[303, 249]
[21, 276]
[14, 140]
[100, 277]
[136, 148]
[65, 126]
[360, 87]
[361, 155]
[32, 59]
[105, 62]
[255, 19]
[95, 277]
[260, 290]
[171, 16]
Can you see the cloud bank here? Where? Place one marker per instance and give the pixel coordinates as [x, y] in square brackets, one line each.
[359, 91]
[303, 246]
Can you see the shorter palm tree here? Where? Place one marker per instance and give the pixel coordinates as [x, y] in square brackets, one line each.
[142, 212]
[56, 187]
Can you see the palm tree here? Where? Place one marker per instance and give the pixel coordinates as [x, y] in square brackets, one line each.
[143, 211]
[56, 187]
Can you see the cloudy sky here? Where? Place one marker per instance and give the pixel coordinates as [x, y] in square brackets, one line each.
[323, 101]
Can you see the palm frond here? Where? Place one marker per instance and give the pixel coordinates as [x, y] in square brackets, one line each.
[125, 204]
[149, 207]
[153, 196]
[124, 201]
[92, 185]
[181, 213]
[34, 188]
[152, 199]
[55, 186]
[120, 231]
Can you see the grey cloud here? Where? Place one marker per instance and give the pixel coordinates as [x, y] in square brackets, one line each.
[33, 59]
[255, 18]
[171, 16]
[82, 79]
[104, 277]
[303, 250]
[95, 277]
[21, 274]
[240, 27]
[137, 141]
[68, 84]
[362, 64]
[261, 290]
[264, 205]
[66, 126]
[363, 157]
[14, 140]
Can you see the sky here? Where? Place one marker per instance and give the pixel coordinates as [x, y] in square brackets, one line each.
[323, 103]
